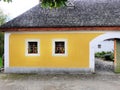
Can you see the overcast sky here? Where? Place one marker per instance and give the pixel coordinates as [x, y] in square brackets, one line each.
[17, 7]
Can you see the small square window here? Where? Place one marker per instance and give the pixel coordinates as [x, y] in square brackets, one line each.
[99, 46]
[32, 48]
[59, 47]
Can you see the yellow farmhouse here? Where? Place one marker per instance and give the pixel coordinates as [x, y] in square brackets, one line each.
[60, 40]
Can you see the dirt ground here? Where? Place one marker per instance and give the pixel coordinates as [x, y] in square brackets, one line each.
[104, 79]
[59, 82]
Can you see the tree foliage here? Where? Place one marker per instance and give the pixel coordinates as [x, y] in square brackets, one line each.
[2, 17]
[53, 3]
[1, 44]
[6, 0]
[2, 20]
[48, 3]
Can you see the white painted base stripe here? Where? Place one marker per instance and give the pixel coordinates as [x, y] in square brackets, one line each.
[48, 70]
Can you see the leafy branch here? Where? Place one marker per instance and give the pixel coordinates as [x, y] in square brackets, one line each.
[53, 3]
[6, 0]
[48, 3]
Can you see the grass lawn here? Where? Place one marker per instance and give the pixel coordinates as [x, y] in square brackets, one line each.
[0, 62]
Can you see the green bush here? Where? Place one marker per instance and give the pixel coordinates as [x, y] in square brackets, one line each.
[1, 62]
[105, 55]
[100, 54]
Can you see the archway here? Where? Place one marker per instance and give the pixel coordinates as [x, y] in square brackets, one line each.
[94, 42]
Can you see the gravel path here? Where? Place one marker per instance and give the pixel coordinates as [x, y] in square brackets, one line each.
[104, 67]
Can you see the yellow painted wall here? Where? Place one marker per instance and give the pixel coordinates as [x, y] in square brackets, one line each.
[78, 50]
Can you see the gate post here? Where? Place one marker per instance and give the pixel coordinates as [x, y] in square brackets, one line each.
[117, 55]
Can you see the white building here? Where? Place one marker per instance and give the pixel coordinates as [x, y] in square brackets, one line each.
[106, 46]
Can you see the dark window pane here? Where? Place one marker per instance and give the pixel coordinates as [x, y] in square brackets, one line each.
[99, 46]
[32, 47]
[59, 47]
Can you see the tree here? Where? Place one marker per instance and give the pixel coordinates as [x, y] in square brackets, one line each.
[48, 3]
[2, 17]
[53, 3]
[6, 0]
[2, 20]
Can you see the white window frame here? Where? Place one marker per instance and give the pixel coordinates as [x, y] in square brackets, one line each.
[53, 47]
[26, 47]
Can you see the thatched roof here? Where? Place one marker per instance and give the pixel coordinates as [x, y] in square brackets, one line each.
[83, 13]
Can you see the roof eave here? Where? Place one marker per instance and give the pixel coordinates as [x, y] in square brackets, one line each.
[81, 28]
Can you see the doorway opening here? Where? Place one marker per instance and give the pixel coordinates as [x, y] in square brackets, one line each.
[104, 56]
[110, 36]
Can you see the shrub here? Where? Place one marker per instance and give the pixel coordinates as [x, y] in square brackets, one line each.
[105, 55]
[1, 62]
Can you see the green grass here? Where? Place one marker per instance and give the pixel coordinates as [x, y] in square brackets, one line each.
[0, 62]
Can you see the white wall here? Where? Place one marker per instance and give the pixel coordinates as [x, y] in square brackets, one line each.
[105, 46]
